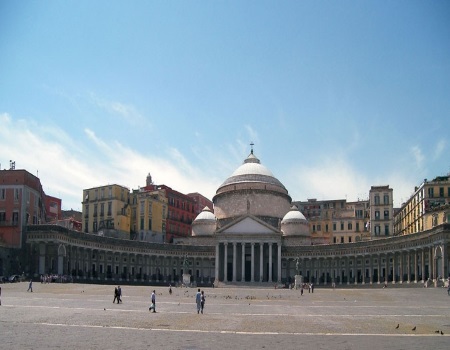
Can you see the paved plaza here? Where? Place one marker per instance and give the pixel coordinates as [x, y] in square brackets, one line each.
[81, 316]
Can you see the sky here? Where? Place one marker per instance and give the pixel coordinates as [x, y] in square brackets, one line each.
[337, 96]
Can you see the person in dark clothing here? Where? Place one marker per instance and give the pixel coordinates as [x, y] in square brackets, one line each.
[116, 295]
[202, 301]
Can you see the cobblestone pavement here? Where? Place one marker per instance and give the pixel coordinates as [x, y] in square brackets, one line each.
[80, 316]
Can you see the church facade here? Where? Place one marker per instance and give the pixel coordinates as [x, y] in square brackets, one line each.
[253, 236]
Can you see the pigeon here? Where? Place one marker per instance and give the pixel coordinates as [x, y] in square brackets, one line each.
[436, 331]
[442, 333]
[104, 309]
[398, 325]
[414, 328]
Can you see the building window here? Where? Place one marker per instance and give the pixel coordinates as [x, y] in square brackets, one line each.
[2, 216]
[86, 224]
[334, 226]
[350, 226]
[349, 239]
[142, 224]
[319, 228]
[141, 207]
[377, 230]
[3, 193]
[342, 239]
[342, 226]
[109, 208]
[441, 191]
[94, 226]
[386, 230]
[150, 224]
[314, 228]
[15, 218]
[377, 199]
[377, 214]
[430, 192]
[357, 226]
[326, 228]
[386, 215]
[16, 194]
[102, 209]
[386, 199]
[334, 239]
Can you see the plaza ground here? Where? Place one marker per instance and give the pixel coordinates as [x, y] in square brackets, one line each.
[74, 316]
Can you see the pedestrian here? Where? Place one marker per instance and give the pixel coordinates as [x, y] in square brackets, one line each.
[153, 305]
[170, 289]
[198, 300]
[448, 289]
[0, 296]
[312, 287]
[119, 295]
[202, 301]
[301, 289]
[30, 286]
[116, 295]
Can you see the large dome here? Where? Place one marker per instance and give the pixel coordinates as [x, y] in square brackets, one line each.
[251, 189]
[204, 224]
[252, 171]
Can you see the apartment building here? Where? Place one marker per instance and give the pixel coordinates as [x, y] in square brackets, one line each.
[381, 202]
[106, 211]
[336, 221]
[427, 207]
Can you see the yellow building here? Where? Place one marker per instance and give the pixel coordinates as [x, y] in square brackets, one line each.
[336, 221]
[106, 211]
[427, 207]
[149, 213]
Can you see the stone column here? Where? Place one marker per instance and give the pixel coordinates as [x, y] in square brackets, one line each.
[430, 264]
[408, 269]
[401, 267]
[270, 263]
[216, 267]
[386, 269]
[253, 263]
[393, 268]
[225, 262]
[261, 261]
[379, 268]
[444, 268]
[355, 269]
[42, 259]
[347, 269]
[243, 262]
[234, 261]
[416, 267]
[279, 263]
[363, 279]
[423, 265]
[318, 272]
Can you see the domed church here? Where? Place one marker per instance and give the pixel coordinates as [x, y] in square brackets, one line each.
[253, 218]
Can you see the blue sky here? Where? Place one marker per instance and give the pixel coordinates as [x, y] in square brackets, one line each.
[337, 96]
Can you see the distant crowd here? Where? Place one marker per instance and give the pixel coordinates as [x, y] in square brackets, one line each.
[56, 279]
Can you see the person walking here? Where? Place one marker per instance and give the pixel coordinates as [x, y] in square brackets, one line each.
[153, 305]
[202, 301]
[30, 286]
[116, 295]
[198, 300]
[119, 295]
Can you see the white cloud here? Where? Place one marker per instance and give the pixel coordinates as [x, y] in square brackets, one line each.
[66, 167]
[127, 112]
[440, 147]
[418, 156]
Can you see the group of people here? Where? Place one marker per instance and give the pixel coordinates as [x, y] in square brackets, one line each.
[199, 299]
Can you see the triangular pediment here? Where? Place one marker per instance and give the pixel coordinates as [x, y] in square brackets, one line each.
[248, 225]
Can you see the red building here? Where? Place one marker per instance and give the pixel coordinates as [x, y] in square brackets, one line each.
[52, 208]
[21, 203]
[200, 202]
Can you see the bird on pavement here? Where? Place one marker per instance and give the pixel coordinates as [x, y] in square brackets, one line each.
[414, 328]
[442, 333]
[398, 325]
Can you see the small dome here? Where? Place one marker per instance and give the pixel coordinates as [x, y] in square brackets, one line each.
[293, 215]
[204, 224]
[294, 223]
[206, 214]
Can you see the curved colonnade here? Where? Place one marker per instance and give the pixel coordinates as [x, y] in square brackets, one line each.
[404, 259]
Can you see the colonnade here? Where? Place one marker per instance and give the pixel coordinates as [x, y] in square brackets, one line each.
[404, 266]
[254, 261]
